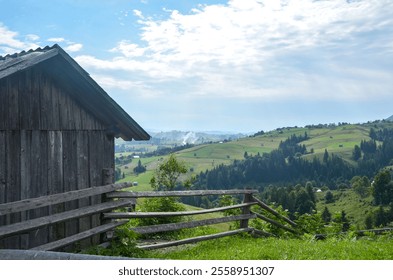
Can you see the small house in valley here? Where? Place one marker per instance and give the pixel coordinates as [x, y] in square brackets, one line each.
[57, 130]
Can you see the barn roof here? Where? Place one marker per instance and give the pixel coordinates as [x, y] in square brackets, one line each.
[84, 89]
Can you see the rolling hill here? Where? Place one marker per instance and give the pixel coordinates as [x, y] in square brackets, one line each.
[336, 139]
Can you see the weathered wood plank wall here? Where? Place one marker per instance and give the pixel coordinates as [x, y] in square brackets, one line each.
[48, 144]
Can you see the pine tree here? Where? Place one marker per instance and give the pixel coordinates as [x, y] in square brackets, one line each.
[326, 215]
[325, 156]
[357, 153]
[383, 188]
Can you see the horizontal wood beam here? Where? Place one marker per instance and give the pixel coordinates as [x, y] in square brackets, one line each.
[274, 212]
[192, 224]
[179, 193]
[128, 215]
[24, 226]
[266, 219]
[33, 203]
[262, 233]
[194, 239]
[80, 236]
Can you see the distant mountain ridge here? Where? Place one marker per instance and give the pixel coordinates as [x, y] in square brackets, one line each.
[390, 118]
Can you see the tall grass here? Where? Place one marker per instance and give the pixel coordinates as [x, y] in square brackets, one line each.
[247, 248]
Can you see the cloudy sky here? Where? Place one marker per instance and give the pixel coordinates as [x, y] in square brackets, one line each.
[234, 65]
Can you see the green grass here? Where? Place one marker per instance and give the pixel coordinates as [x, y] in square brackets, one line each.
[247, 248]
[339, 140]
[354, 206]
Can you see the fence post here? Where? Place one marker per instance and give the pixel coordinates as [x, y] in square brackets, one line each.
[246, 210]
[107, 179]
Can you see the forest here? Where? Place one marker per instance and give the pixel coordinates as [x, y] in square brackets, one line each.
[285, 166]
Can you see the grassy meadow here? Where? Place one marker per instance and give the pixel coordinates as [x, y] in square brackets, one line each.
[245, 247]
[339, 140]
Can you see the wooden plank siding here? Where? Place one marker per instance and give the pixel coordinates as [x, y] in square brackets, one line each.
[49, 144]
[32, 100]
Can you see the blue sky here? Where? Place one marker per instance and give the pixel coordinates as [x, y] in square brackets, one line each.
[237, 65]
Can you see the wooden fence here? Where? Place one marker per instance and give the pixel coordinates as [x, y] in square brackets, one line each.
[55, 199]
[116, 199]
[246, 214]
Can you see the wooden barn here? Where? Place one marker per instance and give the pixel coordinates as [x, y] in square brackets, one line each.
[57, 130]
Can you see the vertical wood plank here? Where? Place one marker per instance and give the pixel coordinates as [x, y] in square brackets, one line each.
[55, 180]
[13, 104]
[3, 170]
[38, 183]
[25, 178]
[64, 110]
[246, 210]
[45, 99]
[95, 163]
[3, 104]
[82, 144]
[25, 100]
[69, 179]
[13, 191]
[3, 176]
[55, 107]
[34, 91]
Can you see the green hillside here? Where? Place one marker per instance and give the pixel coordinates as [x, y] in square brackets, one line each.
[337, 139]
[356, 207]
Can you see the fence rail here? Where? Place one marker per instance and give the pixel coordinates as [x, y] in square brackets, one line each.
[114, 198]
[30, 225]
[246, 215]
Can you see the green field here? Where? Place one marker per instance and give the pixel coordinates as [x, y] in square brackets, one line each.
[339, 140]
[248, 248]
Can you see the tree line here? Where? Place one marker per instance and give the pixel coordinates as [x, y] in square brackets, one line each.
[285, 166]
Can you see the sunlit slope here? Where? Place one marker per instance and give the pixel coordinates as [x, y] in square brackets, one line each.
[339, 140]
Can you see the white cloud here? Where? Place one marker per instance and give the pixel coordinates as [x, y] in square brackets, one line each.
[10, 42]
[75, 47]
[110, 82]
[56, 40]
[138, 13]
[128, 49]
[261, 48]
[32, 37]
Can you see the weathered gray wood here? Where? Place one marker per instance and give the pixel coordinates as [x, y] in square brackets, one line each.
[246, 210]
[108, 177]
[262, 233]
[126, 194]
[70, 172]
[13, 191]
[78, 237]
[129, 215]
[82, 162]
[3, 104]
[2, 171]
[194, 239]
[274, 212]
[192, 224]
[49, 255]
[55, 180]
[275, 223]
[38, 166]
[60, 217]
[32, 203]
